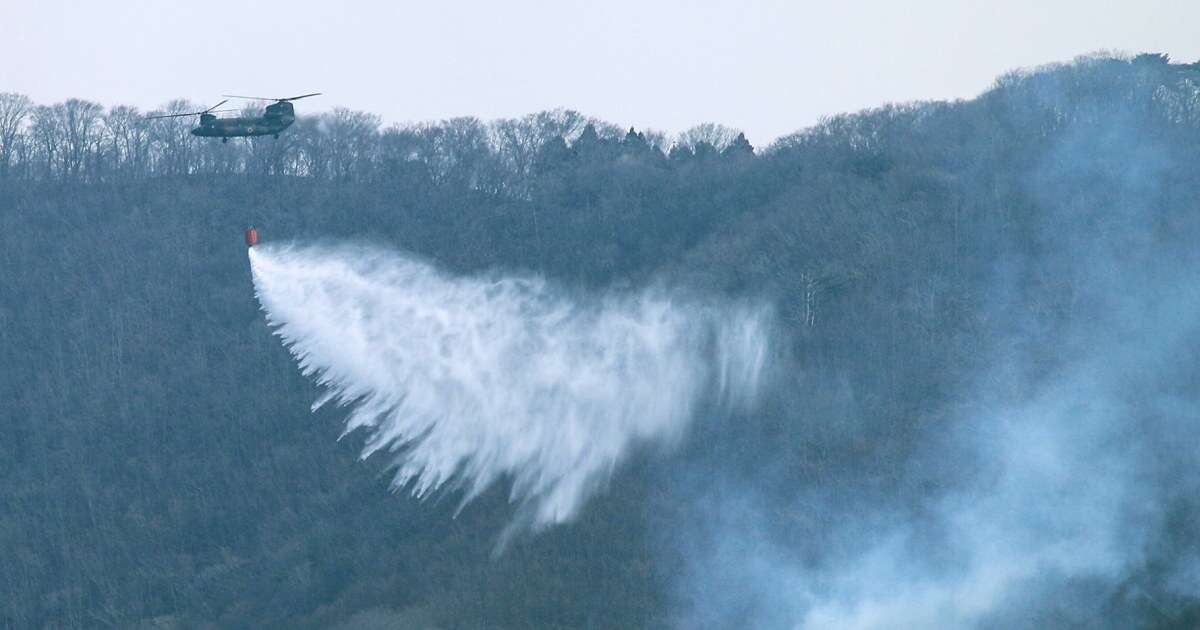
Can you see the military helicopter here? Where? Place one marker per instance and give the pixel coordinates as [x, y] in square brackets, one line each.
[276, 117]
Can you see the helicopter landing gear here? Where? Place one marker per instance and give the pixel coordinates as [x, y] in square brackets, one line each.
[276, 136]
[224, 140]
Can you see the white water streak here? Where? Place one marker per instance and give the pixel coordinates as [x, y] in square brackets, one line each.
[469, 380]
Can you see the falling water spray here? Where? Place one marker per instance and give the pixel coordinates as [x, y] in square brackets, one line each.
[467, 381]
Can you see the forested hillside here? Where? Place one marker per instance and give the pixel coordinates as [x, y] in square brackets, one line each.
[935, 266]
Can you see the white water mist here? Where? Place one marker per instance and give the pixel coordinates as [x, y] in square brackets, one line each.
[470, 380]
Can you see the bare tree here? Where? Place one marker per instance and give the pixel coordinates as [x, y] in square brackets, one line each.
[127, 140]
[46, 132]
[81, 125]
[352, 138]
[14, 109]
[517, 141]
[311, 158]
[716, 136]
[399, 155]
[453, 150]
[171, 138]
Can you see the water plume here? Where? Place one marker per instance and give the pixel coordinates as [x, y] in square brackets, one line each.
[466, 381]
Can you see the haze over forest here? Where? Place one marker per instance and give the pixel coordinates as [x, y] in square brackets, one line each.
[980, 411]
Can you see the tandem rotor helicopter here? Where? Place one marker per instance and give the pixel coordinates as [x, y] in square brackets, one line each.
[275, 118]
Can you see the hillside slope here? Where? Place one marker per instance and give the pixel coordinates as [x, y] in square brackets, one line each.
[989, 308]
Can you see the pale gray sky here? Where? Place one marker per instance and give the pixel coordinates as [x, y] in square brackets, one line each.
[766, 66]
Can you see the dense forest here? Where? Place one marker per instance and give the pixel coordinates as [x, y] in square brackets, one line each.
[941, 271]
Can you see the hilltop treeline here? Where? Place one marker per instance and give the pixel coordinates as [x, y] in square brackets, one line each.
[79, 140]
[160, 467]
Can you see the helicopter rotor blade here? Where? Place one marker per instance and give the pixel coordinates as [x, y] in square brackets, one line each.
[266, 98]
[216, 106]
[207, 111]
[174, 115]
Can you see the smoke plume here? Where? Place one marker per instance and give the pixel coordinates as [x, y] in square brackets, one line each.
[1056, 488]
[467, 381]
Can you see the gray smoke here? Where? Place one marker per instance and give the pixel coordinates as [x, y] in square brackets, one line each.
[1060, 487]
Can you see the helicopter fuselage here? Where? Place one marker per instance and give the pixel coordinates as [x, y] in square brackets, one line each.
[243, 127]
[275, 118]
